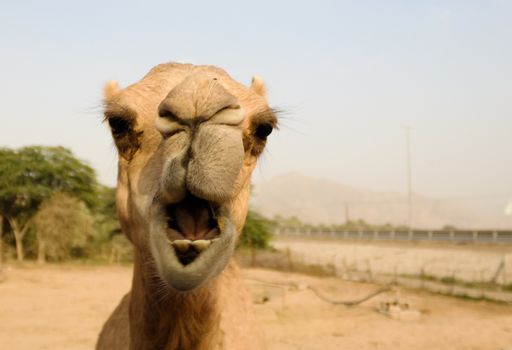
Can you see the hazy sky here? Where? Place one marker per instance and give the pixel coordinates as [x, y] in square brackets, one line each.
[348, 74]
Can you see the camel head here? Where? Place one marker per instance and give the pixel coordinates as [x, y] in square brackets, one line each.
[188, 139]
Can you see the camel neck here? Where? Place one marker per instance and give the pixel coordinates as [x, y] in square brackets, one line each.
[162, 319]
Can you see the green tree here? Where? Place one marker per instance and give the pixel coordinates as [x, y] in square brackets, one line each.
[107, 225]
[256, 233]
[30, 175]
[63, 225]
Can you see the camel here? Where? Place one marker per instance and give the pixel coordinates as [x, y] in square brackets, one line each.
[188, 139]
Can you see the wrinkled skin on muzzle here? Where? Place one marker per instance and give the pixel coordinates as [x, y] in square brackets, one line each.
[207, 164]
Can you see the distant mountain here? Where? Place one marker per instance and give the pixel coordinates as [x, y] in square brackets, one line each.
[325, 201]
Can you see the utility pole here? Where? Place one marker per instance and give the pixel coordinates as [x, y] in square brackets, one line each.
[409, 173]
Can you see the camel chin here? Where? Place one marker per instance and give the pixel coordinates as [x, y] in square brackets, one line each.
[185, 261]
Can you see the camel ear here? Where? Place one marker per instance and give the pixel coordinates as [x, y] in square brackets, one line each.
[110, 90]
[258, 86]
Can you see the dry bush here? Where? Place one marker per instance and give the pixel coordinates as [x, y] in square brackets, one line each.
[63, 226]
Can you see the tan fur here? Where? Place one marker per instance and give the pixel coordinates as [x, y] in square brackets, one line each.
[110, 90]
[258, 86]
[218, 313]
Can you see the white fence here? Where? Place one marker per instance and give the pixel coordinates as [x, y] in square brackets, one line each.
[453, 270]
[481, 236]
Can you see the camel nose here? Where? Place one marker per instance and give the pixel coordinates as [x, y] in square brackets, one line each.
[196, 99]
[206, 159]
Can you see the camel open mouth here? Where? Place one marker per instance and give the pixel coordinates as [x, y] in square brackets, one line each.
[192, 226]
[191, 241]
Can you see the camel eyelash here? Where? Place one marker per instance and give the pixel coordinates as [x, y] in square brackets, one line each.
[264, 123]
[127, 140]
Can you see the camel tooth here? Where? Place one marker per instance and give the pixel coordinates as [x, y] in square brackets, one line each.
[201, 244]
[181, 245]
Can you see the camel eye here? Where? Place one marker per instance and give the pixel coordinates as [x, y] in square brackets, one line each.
[118, 125]
[263, 130]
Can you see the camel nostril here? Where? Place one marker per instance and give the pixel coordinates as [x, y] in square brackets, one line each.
[167, 123]
[164, 112]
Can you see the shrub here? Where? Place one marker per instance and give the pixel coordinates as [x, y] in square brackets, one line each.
[256, 232]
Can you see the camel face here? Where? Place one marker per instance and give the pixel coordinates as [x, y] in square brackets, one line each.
[188, 139]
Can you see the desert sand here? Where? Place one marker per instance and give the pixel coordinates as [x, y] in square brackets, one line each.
[64, 306]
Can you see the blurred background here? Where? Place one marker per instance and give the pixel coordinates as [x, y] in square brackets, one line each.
[391, 167]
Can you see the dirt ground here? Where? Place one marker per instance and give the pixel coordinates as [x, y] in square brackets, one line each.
[64, 307]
